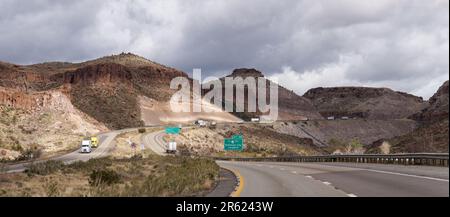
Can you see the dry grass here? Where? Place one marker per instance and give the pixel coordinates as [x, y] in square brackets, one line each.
[153, 176]
[259, 141]
[123, 149]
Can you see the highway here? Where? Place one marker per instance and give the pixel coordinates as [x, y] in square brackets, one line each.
[106, 143]
[293, 179]
[154, 141]
[280, 179]
[265, 179]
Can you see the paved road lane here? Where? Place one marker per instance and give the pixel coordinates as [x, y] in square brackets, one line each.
[313, 179]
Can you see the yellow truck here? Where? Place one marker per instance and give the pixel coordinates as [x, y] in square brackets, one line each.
[94, 142]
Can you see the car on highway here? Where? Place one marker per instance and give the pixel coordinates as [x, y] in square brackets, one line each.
[86, 146]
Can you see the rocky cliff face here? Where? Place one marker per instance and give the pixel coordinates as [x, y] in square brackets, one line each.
[245, 72]
[92, 74]
[22, 100]
[362, 102]
[290, 105]
[438, 106]
[433, 131]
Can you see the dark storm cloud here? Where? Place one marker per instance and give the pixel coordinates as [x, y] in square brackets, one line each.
[399, 44]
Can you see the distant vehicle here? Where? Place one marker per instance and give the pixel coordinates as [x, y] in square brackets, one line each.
[345, 118]
[171, 148]
[330, 118]
[94, 142]
[86, 146]
[304, 119]
[213, 125]
[201, 123]
[255, 120]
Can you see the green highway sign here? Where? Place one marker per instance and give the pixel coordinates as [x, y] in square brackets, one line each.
[173, 130]
[235, 143]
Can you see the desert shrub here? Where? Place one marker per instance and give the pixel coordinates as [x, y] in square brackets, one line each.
[31, 153]
[142, 130]
[103, 177]
[17, 147]
[336, 142]
[44, 168]
[182, 177]
[90, 165]
[52, 188]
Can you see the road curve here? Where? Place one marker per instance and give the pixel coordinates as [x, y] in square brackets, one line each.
[154, 141]
[266, 179]
[275, 179]
[106, 144]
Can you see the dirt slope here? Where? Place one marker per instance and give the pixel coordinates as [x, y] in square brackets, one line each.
[50, 125]
[365, 131]
[154, 113]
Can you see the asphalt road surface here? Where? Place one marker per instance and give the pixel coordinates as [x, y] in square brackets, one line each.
[154, 141]
[106, 143]
[322, 180]
[274, 179]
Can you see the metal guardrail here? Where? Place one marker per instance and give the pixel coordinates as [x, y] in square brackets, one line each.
[429, 159]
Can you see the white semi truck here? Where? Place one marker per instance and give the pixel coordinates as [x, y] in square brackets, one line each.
[171, 148]
[86, 146]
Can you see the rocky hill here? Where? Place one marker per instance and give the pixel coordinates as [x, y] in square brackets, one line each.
[115, 90]
[364, 102]
[433, 132]
[106, 89]
[290, 105]
[63, 102]
[438, 107]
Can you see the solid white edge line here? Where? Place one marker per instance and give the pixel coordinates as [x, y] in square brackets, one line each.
[409, 175]
[351, 195]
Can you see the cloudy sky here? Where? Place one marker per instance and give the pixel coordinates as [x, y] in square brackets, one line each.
[401, 44]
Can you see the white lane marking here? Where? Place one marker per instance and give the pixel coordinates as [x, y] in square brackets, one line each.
[294, 172]
[326, 183]
[351, 195]
[310, 177]
[409, 175]
[282, 169]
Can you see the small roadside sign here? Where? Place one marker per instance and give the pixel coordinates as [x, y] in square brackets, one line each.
[235, 143]
[133, 145]
[173, 130]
